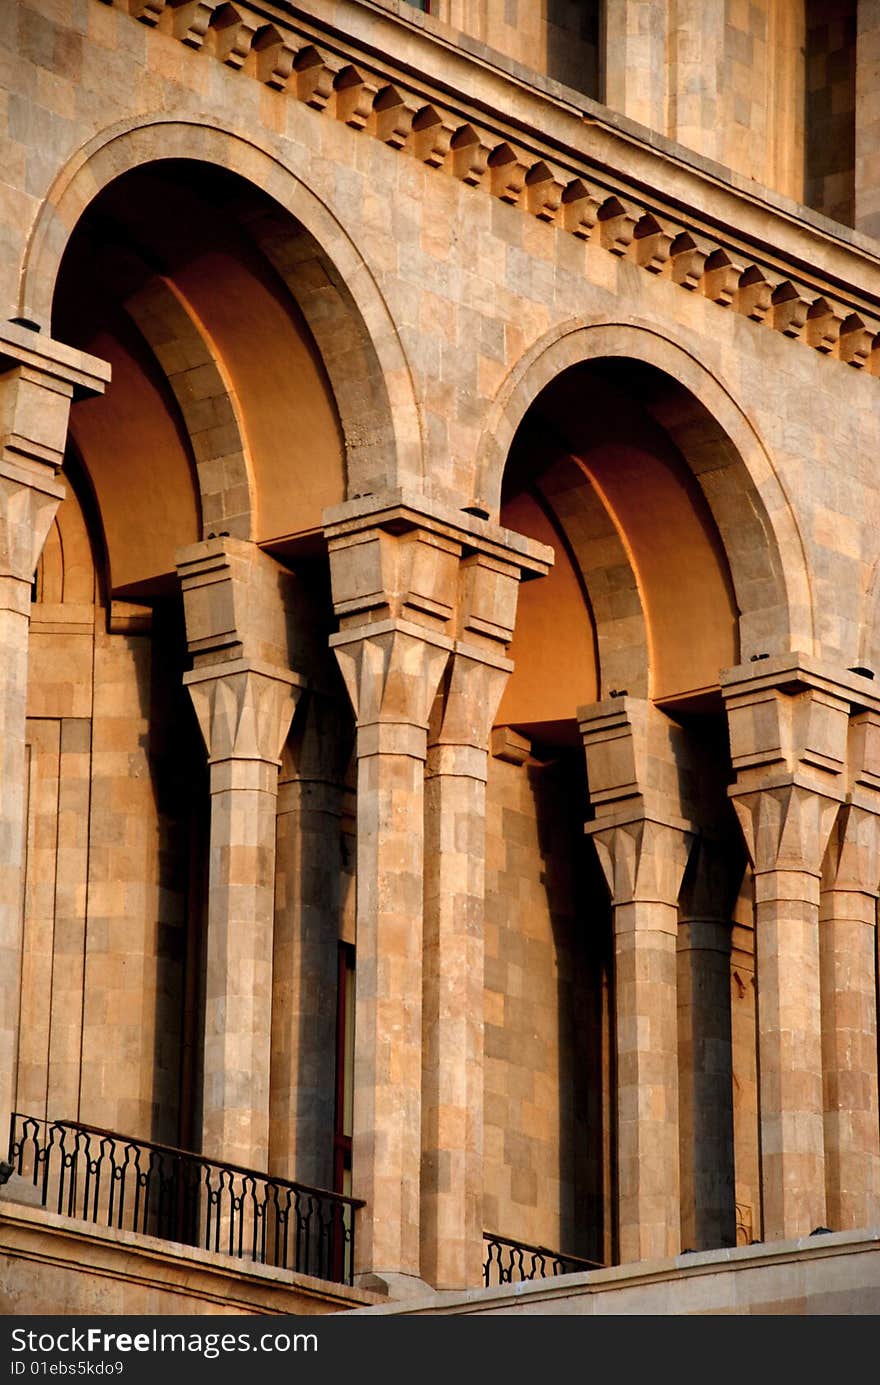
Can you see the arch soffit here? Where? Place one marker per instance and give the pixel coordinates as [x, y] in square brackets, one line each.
[746, 497]
[130, 145]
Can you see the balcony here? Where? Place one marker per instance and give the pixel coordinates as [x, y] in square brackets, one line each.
[119, 1183]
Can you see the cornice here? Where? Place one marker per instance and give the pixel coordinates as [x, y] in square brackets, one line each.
[554, 155]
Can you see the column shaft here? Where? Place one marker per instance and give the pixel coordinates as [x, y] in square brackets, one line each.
[706, 1084]
[849, 1058]
[305, 962]
[239, 962]
[452, 1116]
[789, 1052]
[647, 1079]
[388, 1000]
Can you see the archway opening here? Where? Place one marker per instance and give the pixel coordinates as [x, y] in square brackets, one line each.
[244, 397]
[613, 464]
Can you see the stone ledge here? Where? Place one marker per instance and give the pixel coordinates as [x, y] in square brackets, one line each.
[837, 1273]
[83, 1268]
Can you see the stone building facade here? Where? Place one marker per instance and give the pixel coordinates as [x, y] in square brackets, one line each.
[439, 733]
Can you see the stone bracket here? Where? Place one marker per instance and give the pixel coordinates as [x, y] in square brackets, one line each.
[238, 603]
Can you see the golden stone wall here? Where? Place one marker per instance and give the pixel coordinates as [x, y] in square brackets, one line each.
[394, 331]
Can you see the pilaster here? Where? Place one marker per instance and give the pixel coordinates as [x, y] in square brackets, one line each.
[39, 378]
[867, 118]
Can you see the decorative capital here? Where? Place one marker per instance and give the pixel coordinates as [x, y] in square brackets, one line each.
[852, 860]
[320, 743]
[712, 880]
[29, 500]
[391, 669]
[643, 858]
[244, 710]
[465, 708]
[786, 826]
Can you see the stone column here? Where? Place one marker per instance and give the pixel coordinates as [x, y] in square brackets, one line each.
[395, 572]
[455, 828]
[708, 1202]
[392, 674]
[786, 832]
[788, 735]
[643, 848]
[38, 380]
[848, 983]
[308, 904]
[235, 612]
[392, 668]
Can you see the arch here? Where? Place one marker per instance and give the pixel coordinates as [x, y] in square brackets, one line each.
[393, 456]
[721, 446]
[184, 351]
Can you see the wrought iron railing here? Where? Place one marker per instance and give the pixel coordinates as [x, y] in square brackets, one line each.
[136, 1185]
[508, 1262]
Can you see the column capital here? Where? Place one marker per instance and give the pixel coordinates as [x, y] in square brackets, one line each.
[643, 858]
[465, 711]
[712, 881]
[852, 860]
[391, 669]
[244, 709]
[38, 379]
[785, 825]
